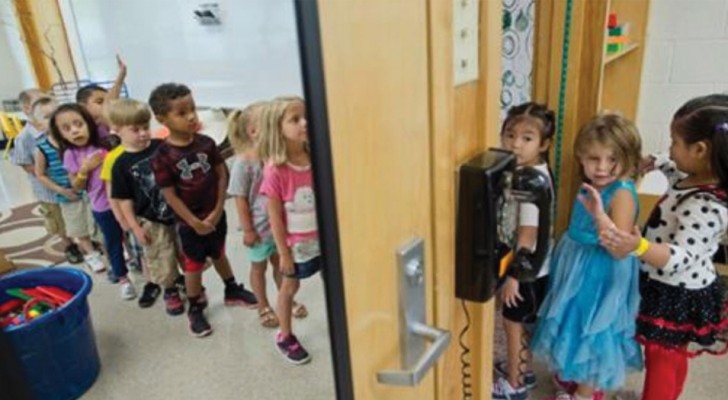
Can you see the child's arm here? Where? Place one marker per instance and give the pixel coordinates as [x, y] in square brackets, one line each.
[250, 236]
[216, 213]
[115, 208]
[278, 228]
[180, 208]
[126, 208]
[115, 90]
[40, 173]
[620, 217]
[79, 177]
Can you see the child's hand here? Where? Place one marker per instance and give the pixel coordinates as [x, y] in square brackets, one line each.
[618, 242]
[202, 228]
[121, 64]
[592, 202]
[213, 219]
[647, 164]
[251, 238]
[510, 294]
[142, 235]
[286, 265]
[70, 194]
[91, 161]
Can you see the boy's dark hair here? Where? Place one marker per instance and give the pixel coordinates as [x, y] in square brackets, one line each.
[706, 119]
[83, 94]
[163, 94]
[536, 111]
[93, 134]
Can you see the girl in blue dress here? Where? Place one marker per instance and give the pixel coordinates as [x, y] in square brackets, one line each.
[586, 328]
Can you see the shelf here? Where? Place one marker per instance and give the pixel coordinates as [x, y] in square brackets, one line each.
[627, 49]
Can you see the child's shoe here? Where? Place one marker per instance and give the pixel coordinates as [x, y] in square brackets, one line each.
[95, 262]
[565, 386]
[127, 289]
[529, 379]
[198, 323]
[291, 349]
[238, 295]
[73, 254]
[173, 303]
[150, 292]
[502, 390]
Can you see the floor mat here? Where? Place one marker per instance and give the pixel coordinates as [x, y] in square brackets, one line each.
[24, 240]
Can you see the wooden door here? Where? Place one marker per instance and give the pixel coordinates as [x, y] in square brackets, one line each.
[375, 64]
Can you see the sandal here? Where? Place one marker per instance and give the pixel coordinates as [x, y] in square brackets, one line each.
[299, 311]
[267, 317]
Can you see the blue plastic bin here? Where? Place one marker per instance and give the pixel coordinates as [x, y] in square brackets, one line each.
[57, 350]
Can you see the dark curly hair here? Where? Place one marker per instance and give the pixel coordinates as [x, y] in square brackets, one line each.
[83, 94]
[163, 94]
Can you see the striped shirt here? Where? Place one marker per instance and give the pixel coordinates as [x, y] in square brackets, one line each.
[23, 154]
[54, 168]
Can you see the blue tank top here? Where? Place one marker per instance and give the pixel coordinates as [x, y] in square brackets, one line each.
[582, 227]
[54, 168]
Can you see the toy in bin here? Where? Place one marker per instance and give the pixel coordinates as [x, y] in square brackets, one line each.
[28, 304]
[617, 35]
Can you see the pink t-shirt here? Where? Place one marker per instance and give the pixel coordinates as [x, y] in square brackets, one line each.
[72, 159]
[293, 186]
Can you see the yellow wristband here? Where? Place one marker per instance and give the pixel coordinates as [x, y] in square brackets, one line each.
[81, 175]
[641, 248]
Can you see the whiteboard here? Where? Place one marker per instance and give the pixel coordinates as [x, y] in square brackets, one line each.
[252, 55]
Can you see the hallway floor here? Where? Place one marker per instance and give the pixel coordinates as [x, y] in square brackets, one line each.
[146, 354]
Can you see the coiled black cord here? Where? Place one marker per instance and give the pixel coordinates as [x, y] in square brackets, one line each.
[465, 364]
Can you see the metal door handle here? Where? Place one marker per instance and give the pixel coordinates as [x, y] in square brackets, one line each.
[440, 339]
[416, 359]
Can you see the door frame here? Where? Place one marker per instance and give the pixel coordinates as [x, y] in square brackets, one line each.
[314, 89]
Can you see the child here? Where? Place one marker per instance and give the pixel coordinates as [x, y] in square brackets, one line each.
[75, 130]
[586, 324]
[94, 98]
[527, 132]
[192, 176]
[24, 157]
[246, 175]
[683, 311]
[141, 202]
[74, 205]
[288, 185]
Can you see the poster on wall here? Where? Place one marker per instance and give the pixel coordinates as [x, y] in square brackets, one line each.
[517, 52]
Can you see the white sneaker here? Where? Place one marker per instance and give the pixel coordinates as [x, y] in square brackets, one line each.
[127, 290]
[95, 262]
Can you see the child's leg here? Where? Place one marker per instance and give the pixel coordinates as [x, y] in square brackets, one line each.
[284, 303]
[518, 353]
[681, 373]
[584, 391]
[257, 281]
[662, 370]
[112, 240]
[277, 276]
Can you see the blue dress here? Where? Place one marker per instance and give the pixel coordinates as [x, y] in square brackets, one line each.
[587, 323]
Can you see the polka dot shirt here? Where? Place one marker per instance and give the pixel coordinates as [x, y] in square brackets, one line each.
[693, 229]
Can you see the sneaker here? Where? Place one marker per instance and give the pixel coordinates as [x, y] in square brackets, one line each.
[73, 254]
[529, 379]
[150, 292]
[292, 350]
[173, 303]
[203, 299]
[566, 386]
[238, 295]
[127, 290]
[111, 276]
[502, 390]
[95, 262]
[198, 323]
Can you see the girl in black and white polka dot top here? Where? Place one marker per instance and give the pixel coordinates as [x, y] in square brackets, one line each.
[683, 309]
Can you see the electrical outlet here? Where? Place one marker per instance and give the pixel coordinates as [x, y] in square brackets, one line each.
[466, 17]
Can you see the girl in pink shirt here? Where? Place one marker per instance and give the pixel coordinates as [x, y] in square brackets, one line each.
[288, 185]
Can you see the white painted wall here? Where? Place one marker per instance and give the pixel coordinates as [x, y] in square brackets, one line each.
[686, 56]
[252, 55]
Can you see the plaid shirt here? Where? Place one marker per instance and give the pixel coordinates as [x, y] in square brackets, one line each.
[24, 154]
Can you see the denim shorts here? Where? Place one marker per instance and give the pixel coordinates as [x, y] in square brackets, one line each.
[306, 268]
[262, 251]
